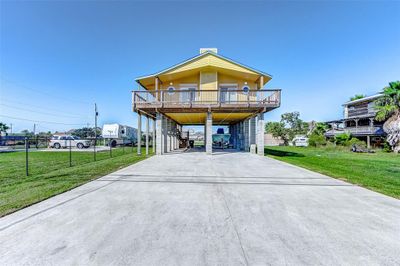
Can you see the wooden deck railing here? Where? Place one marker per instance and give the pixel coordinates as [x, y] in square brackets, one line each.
[204, 98]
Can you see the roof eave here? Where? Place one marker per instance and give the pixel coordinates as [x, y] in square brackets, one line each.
[198, 56]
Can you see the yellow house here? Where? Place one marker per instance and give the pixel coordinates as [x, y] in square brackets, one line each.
[208, 89]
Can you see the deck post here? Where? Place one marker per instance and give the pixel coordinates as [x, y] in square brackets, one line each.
[147, 135]
[159, 135]
[139, 135]
[253, 131]
[153, 139]
[209, 133]
[260, 133]
[246, 132]
[165, 134]
[369, 142]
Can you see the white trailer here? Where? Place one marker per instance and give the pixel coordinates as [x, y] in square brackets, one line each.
[116, 134]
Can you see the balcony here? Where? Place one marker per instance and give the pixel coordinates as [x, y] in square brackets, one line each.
[357, 131]
[203, 100]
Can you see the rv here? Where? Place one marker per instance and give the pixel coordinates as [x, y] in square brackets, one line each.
[115, 134]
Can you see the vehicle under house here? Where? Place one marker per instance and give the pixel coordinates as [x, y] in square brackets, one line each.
[208, 90]
[359, 121]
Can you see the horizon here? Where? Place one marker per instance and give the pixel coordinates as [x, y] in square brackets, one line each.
[59, 58]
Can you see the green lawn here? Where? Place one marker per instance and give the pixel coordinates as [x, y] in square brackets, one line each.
[378, 171]
[50, 174]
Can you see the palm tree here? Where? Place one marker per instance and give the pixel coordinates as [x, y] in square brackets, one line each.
[388, 108]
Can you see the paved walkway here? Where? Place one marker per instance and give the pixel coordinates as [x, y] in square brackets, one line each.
[194, 209]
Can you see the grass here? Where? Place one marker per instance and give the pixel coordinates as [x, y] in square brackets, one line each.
[376, 171]
[50, 174]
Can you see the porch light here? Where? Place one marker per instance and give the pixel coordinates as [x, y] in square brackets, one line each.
[171, 83]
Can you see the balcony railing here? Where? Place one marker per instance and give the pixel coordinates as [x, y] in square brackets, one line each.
[360, 130]
[206, 98]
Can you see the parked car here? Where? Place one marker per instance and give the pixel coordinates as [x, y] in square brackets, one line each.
[300, 141]
[58, 142]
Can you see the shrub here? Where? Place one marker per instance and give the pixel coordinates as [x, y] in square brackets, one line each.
[316, 140]
[342, 139]
[355, 141]
[386, 147]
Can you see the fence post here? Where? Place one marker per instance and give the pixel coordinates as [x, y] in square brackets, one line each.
[109, 144]
[70, 154]
[26, 156]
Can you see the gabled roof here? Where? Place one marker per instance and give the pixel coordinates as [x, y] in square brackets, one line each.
[203, 55]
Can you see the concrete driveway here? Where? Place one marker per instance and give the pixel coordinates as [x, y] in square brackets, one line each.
[194, 209]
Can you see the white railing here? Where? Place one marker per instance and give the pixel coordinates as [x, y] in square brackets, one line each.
[163, 98]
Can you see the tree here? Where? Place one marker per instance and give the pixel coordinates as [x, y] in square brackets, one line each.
[3, 128]
[357, 96]
[86, 132]
[388, 110]
[27, 133]
[289, 126]
[277, 130]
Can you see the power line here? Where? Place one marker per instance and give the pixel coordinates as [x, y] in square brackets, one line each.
[58, 97]
[44, 122]
[39, 112]
[36, 106]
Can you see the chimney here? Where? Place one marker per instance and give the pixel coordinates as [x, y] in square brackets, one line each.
[203, 50]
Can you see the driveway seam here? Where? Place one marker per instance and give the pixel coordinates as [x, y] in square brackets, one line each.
[233, 224]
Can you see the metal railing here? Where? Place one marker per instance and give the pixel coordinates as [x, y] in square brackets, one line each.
[182, 98]
[355, 130]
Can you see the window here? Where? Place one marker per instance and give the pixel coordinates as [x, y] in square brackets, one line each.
[188, 92]
[246, 89]
[228, 93]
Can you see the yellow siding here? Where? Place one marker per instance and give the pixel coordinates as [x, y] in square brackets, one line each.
[208, 81]
[209, 60]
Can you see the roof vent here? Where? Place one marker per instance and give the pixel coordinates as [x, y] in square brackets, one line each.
[204, 50]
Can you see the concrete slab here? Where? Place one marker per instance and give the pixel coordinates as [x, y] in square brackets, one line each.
[194, 209]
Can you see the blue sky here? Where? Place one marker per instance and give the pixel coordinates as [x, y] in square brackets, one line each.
[58, 58]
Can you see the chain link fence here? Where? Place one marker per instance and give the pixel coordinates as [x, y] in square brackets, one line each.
[38, 155]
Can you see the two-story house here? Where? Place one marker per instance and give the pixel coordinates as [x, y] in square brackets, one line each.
[208, 89]
[359, 121]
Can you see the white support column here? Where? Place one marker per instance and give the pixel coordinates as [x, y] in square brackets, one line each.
[169, 135]
[205, 134]
[139, 135]
[260, 133]
[165, 134]
[246, 131]
[159, 134]
[147, 134]
[153, 142]
[209, 133]
[253, 131]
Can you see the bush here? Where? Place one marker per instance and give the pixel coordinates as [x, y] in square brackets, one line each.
[386, 147]
[355, 141]
[342, 139]
[316, 140]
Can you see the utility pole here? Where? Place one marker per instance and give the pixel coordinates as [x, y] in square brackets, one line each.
[11, 129]
[96, 113]
[34, 129]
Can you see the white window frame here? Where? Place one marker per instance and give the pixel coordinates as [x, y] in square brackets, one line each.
[233, 96]
[185, 96]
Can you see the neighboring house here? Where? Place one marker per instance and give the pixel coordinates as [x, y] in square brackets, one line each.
[270, 140]
[359, 121]
[208, 89]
